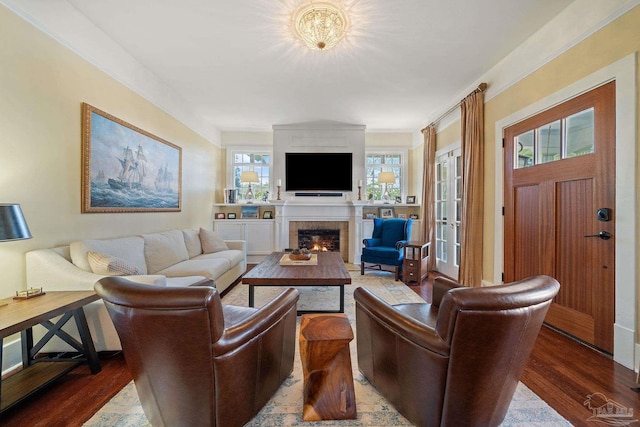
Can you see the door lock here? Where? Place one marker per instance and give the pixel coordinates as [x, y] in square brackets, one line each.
[604, 235]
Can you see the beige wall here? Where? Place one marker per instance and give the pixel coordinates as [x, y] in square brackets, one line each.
[400, 140]
[42, 86]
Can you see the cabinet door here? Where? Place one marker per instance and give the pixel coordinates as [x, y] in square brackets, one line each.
[259, 237]
[229, 230]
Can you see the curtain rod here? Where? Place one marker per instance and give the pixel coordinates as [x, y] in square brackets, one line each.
[481, 88]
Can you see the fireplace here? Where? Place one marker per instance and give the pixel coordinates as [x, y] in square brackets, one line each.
[333, 235]
[320, 240]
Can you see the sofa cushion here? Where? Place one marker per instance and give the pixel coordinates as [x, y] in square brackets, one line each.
[212, 242]
[232, 255]
[130, 249]
[162, 250]
[110, 265]
[211, 268]
[192, 242]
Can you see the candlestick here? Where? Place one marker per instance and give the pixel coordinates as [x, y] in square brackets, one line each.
[279, 182]
[360, 190]
[278, 190]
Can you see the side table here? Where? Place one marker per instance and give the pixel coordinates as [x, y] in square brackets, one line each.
[415, 264]
[21, 316]
[326, 364]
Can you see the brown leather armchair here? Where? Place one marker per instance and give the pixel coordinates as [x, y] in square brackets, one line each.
[196, 362]
[457, 361]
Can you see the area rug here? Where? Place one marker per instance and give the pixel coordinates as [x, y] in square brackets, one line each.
[285, 408]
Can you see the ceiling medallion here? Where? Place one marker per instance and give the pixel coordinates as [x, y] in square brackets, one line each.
[320, 25]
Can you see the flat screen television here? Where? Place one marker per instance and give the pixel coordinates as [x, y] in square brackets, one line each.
[318, 172]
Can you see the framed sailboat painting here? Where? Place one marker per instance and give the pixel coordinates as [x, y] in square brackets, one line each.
[126, 169]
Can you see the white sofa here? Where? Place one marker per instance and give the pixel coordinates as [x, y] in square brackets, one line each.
[170, 258]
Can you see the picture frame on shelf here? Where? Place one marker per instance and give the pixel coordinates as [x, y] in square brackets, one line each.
[404, 216]
[387, 212]
[414, 216]
[411, 200]
[220, 215]
[249, 212]
[267, 215]
[398, 199]
[370, 215]
[231, 215]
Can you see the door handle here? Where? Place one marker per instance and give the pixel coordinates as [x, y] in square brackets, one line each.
[604, 235]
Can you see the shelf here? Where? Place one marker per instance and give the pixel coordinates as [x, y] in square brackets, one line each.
[244, 219]
[24, 383]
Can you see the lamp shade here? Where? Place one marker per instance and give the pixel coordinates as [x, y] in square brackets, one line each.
[249, 176]
[386, 178]
[12, 223]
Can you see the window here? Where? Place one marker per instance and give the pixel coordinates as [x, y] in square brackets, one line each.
[384, 162]
[568, 137]
[257, 161]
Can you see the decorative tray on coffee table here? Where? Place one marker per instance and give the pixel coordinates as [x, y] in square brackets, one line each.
[288, 259]
[300, 257]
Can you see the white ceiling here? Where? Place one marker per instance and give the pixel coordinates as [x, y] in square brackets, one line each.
[236, 64]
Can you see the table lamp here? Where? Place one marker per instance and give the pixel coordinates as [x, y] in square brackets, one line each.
[12, 223]
[249, 176]
[386, 178]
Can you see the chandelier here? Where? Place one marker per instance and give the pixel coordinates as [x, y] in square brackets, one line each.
[320, 25]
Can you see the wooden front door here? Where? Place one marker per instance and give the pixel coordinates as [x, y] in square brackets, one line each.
[559, 218]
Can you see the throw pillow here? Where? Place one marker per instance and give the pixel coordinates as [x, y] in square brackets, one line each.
[110, 265]
[212, 242]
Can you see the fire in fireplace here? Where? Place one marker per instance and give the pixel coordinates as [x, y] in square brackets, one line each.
[323, 240]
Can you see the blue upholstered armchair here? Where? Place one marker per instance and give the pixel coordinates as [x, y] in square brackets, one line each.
[385, 247]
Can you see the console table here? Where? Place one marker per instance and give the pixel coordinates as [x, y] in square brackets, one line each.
[21, 316]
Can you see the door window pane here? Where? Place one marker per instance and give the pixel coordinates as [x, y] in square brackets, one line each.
[549, 144]
[580, 133]
[523, 149]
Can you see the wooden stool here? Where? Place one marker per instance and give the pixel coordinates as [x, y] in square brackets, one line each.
[326, 365]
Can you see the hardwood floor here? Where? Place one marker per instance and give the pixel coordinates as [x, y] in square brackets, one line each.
[561, 371]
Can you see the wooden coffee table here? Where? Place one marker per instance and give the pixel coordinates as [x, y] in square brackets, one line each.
[330, 271]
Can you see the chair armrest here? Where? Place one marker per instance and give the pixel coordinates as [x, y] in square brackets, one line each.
[370, 243]
[417, 332]
[442, 285]
[239, 245]
[235, 336]
[400, 244]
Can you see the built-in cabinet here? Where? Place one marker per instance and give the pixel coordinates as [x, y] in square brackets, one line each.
[259, 234]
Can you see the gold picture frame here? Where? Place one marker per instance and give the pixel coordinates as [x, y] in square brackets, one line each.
[126, 169]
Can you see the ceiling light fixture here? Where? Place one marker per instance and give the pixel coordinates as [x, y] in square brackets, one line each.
[320, 25]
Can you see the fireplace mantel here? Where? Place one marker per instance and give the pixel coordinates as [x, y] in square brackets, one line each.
[311, 209]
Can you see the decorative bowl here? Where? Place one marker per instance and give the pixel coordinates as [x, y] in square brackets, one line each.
[300, 257]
